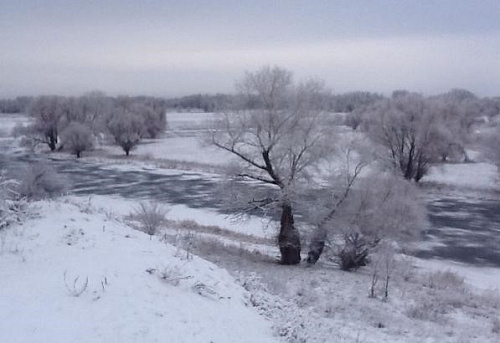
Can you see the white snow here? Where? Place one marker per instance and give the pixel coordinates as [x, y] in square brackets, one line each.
[47, 260]
[182, 141]
[477, 175]
[483, 278]
[9, 120]
[117, 206]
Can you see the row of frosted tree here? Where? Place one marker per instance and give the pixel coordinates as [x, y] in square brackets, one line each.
[74, 123]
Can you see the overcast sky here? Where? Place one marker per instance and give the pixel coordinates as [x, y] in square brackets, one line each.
[171, 48]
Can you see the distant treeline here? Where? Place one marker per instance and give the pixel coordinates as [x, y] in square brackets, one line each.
[340, 103]
[17, 105]
[346, 102]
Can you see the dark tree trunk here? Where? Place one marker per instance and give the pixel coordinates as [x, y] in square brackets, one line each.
[288, 239]
[52, 142]
[127, 152]
[317, 245]
[421, 168]
[78, 154]
[409, 170]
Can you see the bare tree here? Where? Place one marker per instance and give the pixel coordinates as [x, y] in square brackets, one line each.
[155, 120]
[126, 127]
[77, 138]
[94, 107]
[47, 111]
[277, 142]
[405, 126]
[355, 118]
[458, 111]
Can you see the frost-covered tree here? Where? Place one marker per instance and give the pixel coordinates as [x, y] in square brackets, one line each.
[458, 112]
[77, 138]
[92, 109]
[47, 112]
[364, 211]
[355, 118]
[126, 127]
[154, 116]
[405, 126]
[277, 142]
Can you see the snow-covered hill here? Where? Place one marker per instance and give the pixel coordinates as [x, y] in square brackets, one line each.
[74, 275]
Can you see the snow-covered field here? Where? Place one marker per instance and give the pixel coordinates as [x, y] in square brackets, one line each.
[9, 122]
[143, 289]
[183, 141]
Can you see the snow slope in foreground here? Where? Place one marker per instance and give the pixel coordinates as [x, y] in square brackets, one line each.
[138, 290]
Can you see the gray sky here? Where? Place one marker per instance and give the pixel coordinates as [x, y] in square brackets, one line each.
[171, 48]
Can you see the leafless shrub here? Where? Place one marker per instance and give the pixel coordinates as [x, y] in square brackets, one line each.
[374, 277]
[353, 253]
[86, 206]
[40, 181]
[150, 216]
[12, 209]
[425, 309]
[75, 288]
[382, 266]
[445, 280]
[185, 244]
[443, 293]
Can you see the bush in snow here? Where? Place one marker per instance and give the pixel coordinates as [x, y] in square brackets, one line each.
[375, 209]
[12, 208]
[445, 280]
[150, 216]
[77, 138]
[354, 252]
[39, 181]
